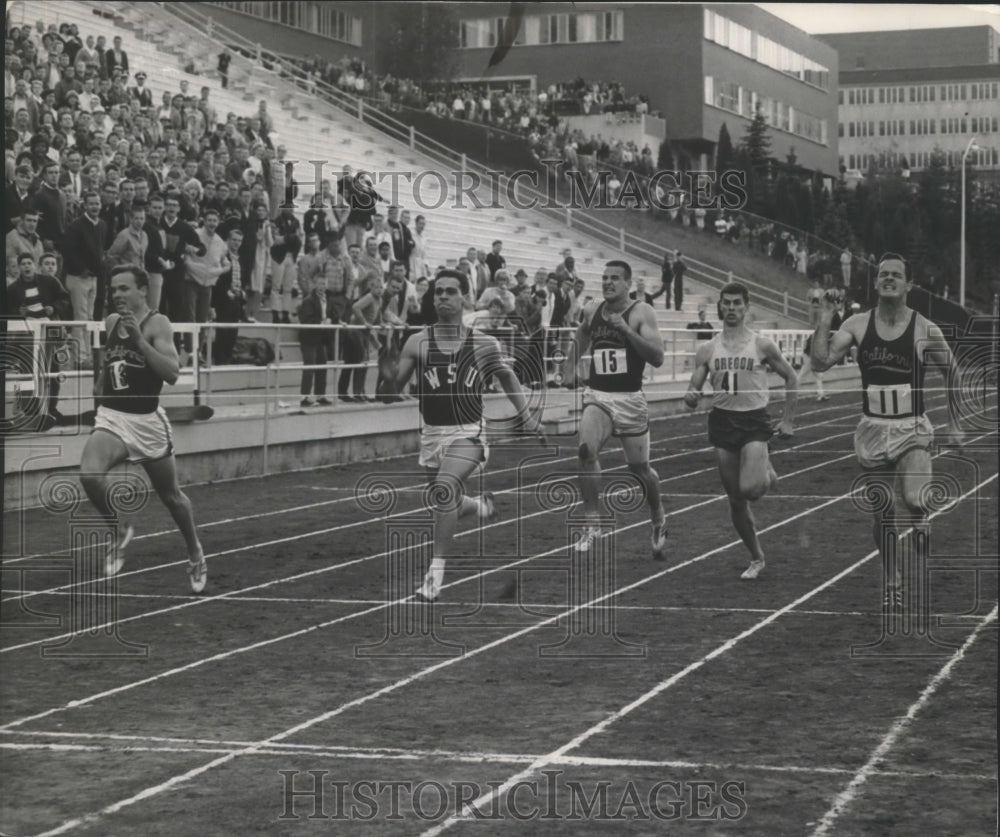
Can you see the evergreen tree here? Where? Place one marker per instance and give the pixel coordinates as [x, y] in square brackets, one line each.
[756, 143]
[724, 154]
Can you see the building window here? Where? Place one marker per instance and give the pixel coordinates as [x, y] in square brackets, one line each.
[317, 18]
[535, 30]
[729, 34]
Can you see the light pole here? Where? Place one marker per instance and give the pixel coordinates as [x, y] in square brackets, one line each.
[961, 266]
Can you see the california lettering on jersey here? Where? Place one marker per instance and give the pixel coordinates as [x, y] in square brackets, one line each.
[122, 352]
[602, 331]
[723, 364]
[881, 357]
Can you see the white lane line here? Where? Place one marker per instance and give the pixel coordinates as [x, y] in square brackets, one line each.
[899, 726]
[661, 687]
[457, 603]
[155, 790]
[369, 521]
[489, 758]
[339, 566]
[167, 785]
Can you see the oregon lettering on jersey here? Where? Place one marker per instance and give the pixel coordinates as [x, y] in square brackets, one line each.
[892, 373]
[127, 383]
[738, 376]
[615, 365]
[451, 384]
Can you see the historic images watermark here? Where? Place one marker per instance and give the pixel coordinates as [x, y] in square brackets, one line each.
[69, 593]
[503, 569]
[320, 795]
[528, 189]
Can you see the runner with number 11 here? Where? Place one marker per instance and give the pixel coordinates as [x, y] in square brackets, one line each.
[739, 427]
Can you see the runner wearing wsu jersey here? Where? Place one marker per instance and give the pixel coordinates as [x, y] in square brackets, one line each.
[622, 338]
[738, 425]
[452, 363]
[894, 436]
[130, 425]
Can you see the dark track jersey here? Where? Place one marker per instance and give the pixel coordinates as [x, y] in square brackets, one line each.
[127, 383]
[451, 384]
[615, 365]
[892, 373]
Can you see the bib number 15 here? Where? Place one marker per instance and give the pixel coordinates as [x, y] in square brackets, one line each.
[610, 361]
[117, 375]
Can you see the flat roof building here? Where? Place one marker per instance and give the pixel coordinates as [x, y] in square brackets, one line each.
[904, 95]
[700, 65]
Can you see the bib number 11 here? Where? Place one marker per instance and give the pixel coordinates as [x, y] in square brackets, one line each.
[890, 401]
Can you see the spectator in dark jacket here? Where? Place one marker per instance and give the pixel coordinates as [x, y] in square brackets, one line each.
[315, 310]
[181, 240]
[36, 296]
[116, 58]
[155, 262]
[50, 203]
[228, 299]
[86, 272]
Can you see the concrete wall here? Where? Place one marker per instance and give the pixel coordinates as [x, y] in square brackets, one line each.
[642, 129]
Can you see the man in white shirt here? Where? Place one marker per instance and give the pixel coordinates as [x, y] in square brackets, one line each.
[418, 257]
[201, 272]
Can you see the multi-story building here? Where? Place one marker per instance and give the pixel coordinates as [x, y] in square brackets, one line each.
[904, 95]
[700, 65]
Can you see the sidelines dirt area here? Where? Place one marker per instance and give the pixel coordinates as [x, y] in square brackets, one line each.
[607, 695]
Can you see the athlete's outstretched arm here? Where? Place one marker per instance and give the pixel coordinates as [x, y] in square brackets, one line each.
[699, 376]
[581, 340]
[827, 352]
[776, 360]
[937, 355]
[408, 360]
[490, 362]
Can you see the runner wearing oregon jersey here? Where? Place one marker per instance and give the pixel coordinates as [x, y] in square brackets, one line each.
[738, 425]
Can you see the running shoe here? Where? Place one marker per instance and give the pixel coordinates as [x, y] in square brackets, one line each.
[115, 559]
[659, 541]
[591, 534]
[754, 569]
[198, 574]
[489, 511]
[427, 592]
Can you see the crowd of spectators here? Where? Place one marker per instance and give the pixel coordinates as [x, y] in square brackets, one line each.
[99, 175]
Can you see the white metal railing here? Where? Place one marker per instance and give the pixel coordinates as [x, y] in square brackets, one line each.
[680, 345]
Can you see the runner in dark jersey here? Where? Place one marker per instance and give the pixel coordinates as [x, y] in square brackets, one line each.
[451, 363]
[622, 337]
[130, 424]
[894, 437]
